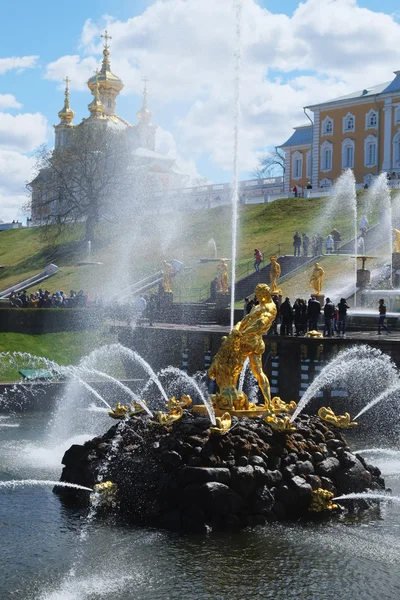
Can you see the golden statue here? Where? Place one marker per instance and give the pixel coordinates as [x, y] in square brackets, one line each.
[175, 410]
[316, 279]
[396, 241]
[322, 500]
[118, 412]
[104, 491]
[282, 424]
[222, 424]
[342, 421]
[274, 275]
[167, 275]
[223, 281]
[245, 341]
[279, 406]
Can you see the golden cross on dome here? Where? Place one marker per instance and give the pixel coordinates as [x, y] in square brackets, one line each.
[106, 37]
[145, 83]
[67, 81]
[96, 72]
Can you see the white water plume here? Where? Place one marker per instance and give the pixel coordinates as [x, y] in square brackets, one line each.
[14, 483]
[388, 394]
[368, 496]
[237, 5]
[364, 370]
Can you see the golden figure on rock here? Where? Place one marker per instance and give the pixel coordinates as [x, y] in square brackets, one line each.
[396, 241]
[167, 275]
[274, 275]
[119, 411]
[244, 341]
[175, 410]
[104, 492]
[317, 278]
[322, 500]
[279, 406]
[342, 421]
[223, 281]
[222, 424]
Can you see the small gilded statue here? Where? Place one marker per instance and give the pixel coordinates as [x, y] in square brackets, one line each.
[342, 421]
[246, 341]
[316, 279]
[167, 275]
[223, 282]
[274, 275]
[396, 241]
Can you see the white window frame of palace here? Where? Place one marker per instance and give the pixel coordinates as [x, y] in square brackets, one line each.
[327, 126]
[349, 123]
[325, 182]
[347, 156]
[370, 151]
[371, 119]
[326, 156]
[369, 178]
[396, 150]
[396, 113]
[297, 165]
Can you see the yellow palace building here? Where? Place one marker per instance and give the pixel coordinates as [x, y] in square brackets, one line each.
[360, 131]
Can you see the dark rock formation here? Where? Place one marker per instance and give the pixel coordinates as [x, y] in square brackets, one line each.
[184, 477]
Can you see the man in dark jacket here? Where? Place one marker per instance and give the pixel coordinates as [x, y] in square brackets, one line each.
[313, 312]
[286, 314]
[329, 313]
[343, 307]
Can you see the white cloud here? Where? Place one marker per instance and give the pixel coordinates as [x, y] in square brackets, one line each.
[17, 62]
[15, 170]
[327, 48]
[9, 101]
[22, 132]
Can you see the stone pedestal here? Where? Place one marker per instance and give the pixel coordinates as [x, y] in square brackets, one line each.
[222, 300]
[363, 278]
[396, 261]
[320, 298]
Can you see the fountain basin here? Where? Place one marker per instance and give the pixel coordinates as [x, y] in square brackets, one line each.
[186, 478]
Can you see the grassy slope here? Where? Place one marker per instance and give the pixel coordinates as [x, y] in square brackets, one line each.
[150, 240]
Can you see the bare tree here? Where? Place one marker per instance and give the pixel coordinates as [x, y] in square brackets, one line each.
[92, 177]
[270, 164]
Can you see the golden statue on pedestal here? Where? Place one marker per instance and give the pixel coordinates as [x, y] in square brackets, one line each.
[316, 279]
[342, 421]
[245, 341]
[167, 275]
[396, 241]
[274, 275]
[223, 281]
[322, 500]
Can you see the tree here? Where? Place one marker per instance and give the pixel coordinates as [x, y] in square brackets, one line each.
[272, 163]
[92, 177]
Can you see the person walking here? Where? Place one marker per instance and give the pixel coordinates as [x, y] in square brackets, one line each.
[329, 313]
[295, 191]
[258, 257]
[382, 316]
[342, 307]
[286, 314]
[296, 244]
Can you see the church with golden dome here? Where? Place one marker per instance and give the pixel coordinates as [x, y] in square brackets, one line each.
[105, 87]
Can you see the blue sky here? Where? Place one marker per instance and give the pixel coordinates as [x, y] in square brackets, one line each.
[185, 49]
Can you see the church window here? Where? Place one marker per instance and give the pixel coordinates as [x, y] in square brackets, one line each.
[396, 150]
[308, 164]
[397, 114]
[371, 119]
[325, 183]
[349, 123]
[327, 126]
[348, 154]
[370, 151]
[297, 165]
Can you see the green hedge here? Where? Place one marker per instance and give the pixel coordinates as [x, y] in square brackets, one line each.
[48, 320]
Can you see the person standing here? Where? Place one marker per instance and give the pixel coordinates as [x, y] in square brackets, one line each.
[295, 191]
[313, 312]
[329, 244]
[274, 327]
[286, 314]
[296, 244]
[329, 313]
[382, 316]
[343, 307]
[306, 244]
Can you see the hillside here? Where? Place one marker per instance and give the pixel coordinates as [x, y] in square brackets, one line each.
[130, 251]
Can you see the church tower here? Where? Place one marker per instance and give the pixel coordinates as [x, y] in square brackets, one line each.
[145, 130]
[65, 125]
[109, 85]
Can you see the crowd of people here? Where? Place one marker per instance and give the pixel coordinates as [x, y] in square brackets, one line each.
[304, 316]
[304, 246]
[46, 299]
